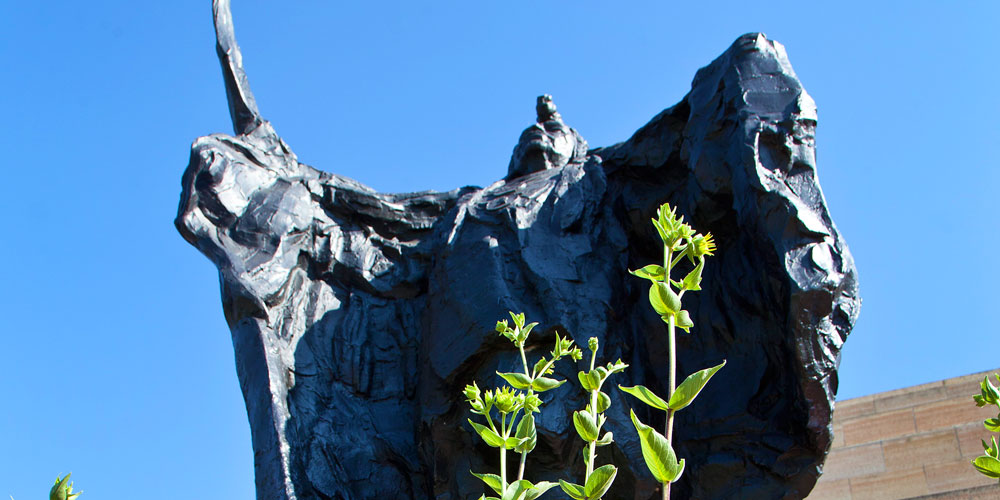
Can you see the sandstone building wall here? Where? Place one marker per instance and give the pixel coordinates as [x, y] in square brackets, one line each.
[911, 443]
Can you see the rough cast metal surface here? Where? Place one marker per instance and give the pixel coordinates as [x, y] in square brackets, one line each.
[357, 317]
[549, 143]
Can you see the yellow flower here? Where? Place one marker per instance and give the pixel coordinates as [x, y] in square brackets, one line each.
[702, 245]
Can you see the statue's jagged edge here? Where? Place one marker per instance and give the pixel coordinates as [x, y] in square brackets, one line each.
[357, 317]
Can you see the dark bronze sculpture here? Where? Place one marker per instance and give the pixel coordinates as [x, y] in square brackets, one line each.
[549, 143]
[357, 317]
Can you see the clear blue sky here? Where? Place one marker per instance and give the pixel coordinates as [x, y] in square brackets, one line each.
[117, 362]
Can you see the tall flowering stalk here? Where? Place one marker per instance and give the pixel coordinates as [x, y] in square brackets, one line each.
[506, 431]
[588, 423]
[680, 241]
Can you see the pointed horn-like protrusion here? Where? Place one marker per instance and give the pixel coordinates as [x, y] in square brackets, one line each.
[242, 106]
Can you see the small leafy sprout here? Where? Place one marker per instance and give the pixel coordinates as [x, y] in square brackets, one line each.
[989, 395]
[519, 397]
[63, 489]
[680, 241]
[588, 423]
[989, 464]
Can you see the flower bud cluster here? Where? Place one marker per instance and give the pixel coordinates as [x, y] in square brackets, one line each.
[511, 431]
[677, 235]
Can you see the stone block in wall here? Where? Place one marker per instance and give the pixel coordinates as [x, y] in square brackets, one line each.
[879, 426]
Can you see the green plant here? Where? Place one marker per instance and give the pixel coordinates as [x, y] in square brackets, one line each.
[521, 396]
[679, 242]
[588, 423]
[989, 464]
[63, 489]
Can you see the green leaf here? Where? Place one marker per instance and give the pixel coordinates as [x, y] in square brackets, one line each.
[606, 440]
[603, 402]
[573, 490]
[693, 280]
[691, 386]
[664, 232]
[538, 366]
[680, 469]
[683, 321]
[585, 425]
[539, 489]
[990, 395]
[513, 442]
[62, 491]
[517, 490]
[617, 366]
[667, 216]
[651, 272]
[591, 381]
[58, 491]
[663, 299]
[526, 331]
[656, 451]
[516, 380]
[491, 480]
[526, 431]
[542, 384]
[595, 378]
[489, 435]
[518, 318]
[992, 424]
[991, 448]
[646, 396]
[599, 481]
[988, 466]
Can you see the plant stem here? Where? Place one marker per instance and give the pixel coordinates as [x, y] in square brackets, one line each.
[524, 454]
[667, 266]
[503, 454]
[503, 468]
[593, 414]
[593, 444]
[676, 259]
[668, 431]
[672, 349]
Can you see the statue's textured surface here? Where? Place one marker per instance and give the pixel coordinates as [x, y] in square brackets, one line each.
[549, 143]
[357, 317]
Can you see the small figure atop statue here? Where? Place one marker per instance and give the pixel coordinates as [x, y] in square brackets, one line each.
[547, 144]
[546, 109]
